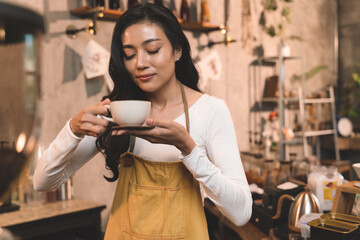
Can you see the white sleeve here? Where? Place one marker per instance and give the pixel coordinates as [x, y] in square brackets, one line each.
[218, 168]
[65, 155]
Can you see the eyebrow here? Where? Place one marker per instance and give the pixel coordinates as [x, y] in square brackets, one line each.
[144, 43]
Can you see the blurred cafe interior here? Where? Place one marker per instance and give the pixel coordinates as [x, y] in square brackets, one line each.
[288, 70]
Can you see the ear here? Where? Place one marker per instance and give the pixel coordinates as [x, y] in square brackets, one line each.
[178, 53]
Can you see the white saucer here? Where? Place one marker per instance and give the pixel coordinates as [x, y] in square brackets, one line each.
[132, 127]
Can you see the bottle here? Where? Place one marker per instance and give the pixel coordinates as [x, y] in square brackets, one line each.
[159, 2]
[313, 178]
[185, 11]
[173, 7]
[284, 174]
[255, 169]
[114, 4]
[132, 3]
[326, 184]
[99, 3]
[205, 13]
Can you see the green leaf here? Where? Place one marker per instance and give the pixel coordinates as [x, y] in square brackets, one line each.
[353, 113]
[356, 78]
[294, 37]
[270, 5]
[270, 30]
[286, 13]
[280, 26]
[312, 72]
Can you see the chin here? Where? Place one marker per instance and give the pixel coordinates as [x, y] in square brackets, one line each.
[147, 87]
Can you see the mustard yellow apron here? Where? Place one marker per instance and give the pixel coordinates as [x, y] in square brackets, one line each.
[156, 200]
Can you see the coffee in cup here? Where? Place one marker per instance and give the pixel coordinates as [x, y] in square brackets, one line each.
[129, 112]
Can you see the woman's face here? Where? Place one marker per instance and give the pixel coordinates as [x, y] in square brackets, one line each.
[149, 57]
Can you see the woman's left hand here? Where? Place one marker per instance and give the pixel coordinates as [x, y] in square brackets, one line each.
[165, 132]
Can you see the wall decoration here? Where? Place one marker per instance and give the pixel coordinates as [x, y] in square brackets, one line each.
[210, 68]
[247, 37]
[95, 60]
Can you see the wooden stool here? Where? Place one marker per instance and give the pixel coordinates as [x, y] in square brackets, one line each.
[345, 197]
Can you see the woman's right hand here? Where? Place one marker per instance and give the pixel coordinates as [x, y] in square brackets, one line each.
[87, 122]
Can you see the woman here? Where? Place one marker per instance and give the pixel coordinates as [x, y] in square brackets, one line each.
[165, 172]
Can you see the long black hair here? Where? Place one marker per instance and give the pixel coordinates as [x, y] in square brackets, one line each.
[125, 88]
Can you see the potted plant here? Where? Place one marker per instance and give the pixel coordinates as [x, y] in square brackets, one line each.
[275, 7]
[350, 101]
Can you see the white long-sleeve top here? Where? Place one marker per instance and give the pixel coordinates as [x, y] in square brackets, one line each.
[214, 162]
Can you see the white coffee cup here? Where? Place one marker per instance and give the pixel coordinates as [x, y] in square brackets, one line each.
[129, 112]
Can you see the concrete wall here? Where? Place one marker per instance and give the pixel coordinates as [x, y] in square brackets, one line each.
[66, 91]
[349, 54]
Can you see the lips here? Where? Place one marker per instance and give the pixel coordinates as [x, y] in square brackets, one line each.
[145, 77]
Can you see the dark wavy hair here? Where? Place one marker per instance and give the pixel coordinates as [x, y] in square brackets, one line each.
[124, 87]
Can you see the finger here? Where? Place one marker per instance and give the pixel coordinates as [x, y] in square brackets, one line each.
[158, 123]
[118, 132]
[94, 120]
[97, 110]
[97, 120]
[100, 108]
[155, 135]
[92, 130]
[98, 130]
[106, 101]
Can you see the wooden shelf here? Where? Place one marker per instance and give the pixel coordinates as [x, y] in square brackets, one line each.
[198, 27]
[319, 133]
[113, 15]
[345, 144]
[86, 12]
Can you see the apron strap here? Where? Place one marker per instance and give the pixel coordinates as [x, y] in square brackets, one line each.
[132, 143]
[186, 111]
[186, 107]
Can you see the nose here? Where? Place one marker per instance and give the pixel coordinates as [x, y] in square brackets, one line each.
[141, 60]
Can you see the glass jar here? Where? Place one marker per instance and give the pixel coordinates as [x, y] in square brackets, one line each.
[300, 170]
[284, 173]
[269, 173]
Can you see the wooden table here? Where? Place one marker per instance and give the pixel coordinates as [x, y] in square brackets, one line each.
[70, 219]
[246, 232]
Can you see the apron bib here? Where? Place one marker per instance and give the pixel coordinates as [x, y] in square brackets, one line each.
[156, 200]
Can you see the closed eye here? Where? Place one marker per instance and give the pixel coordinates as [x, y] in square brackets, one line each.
[129, 57]
[149, 52]
[154, 52]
